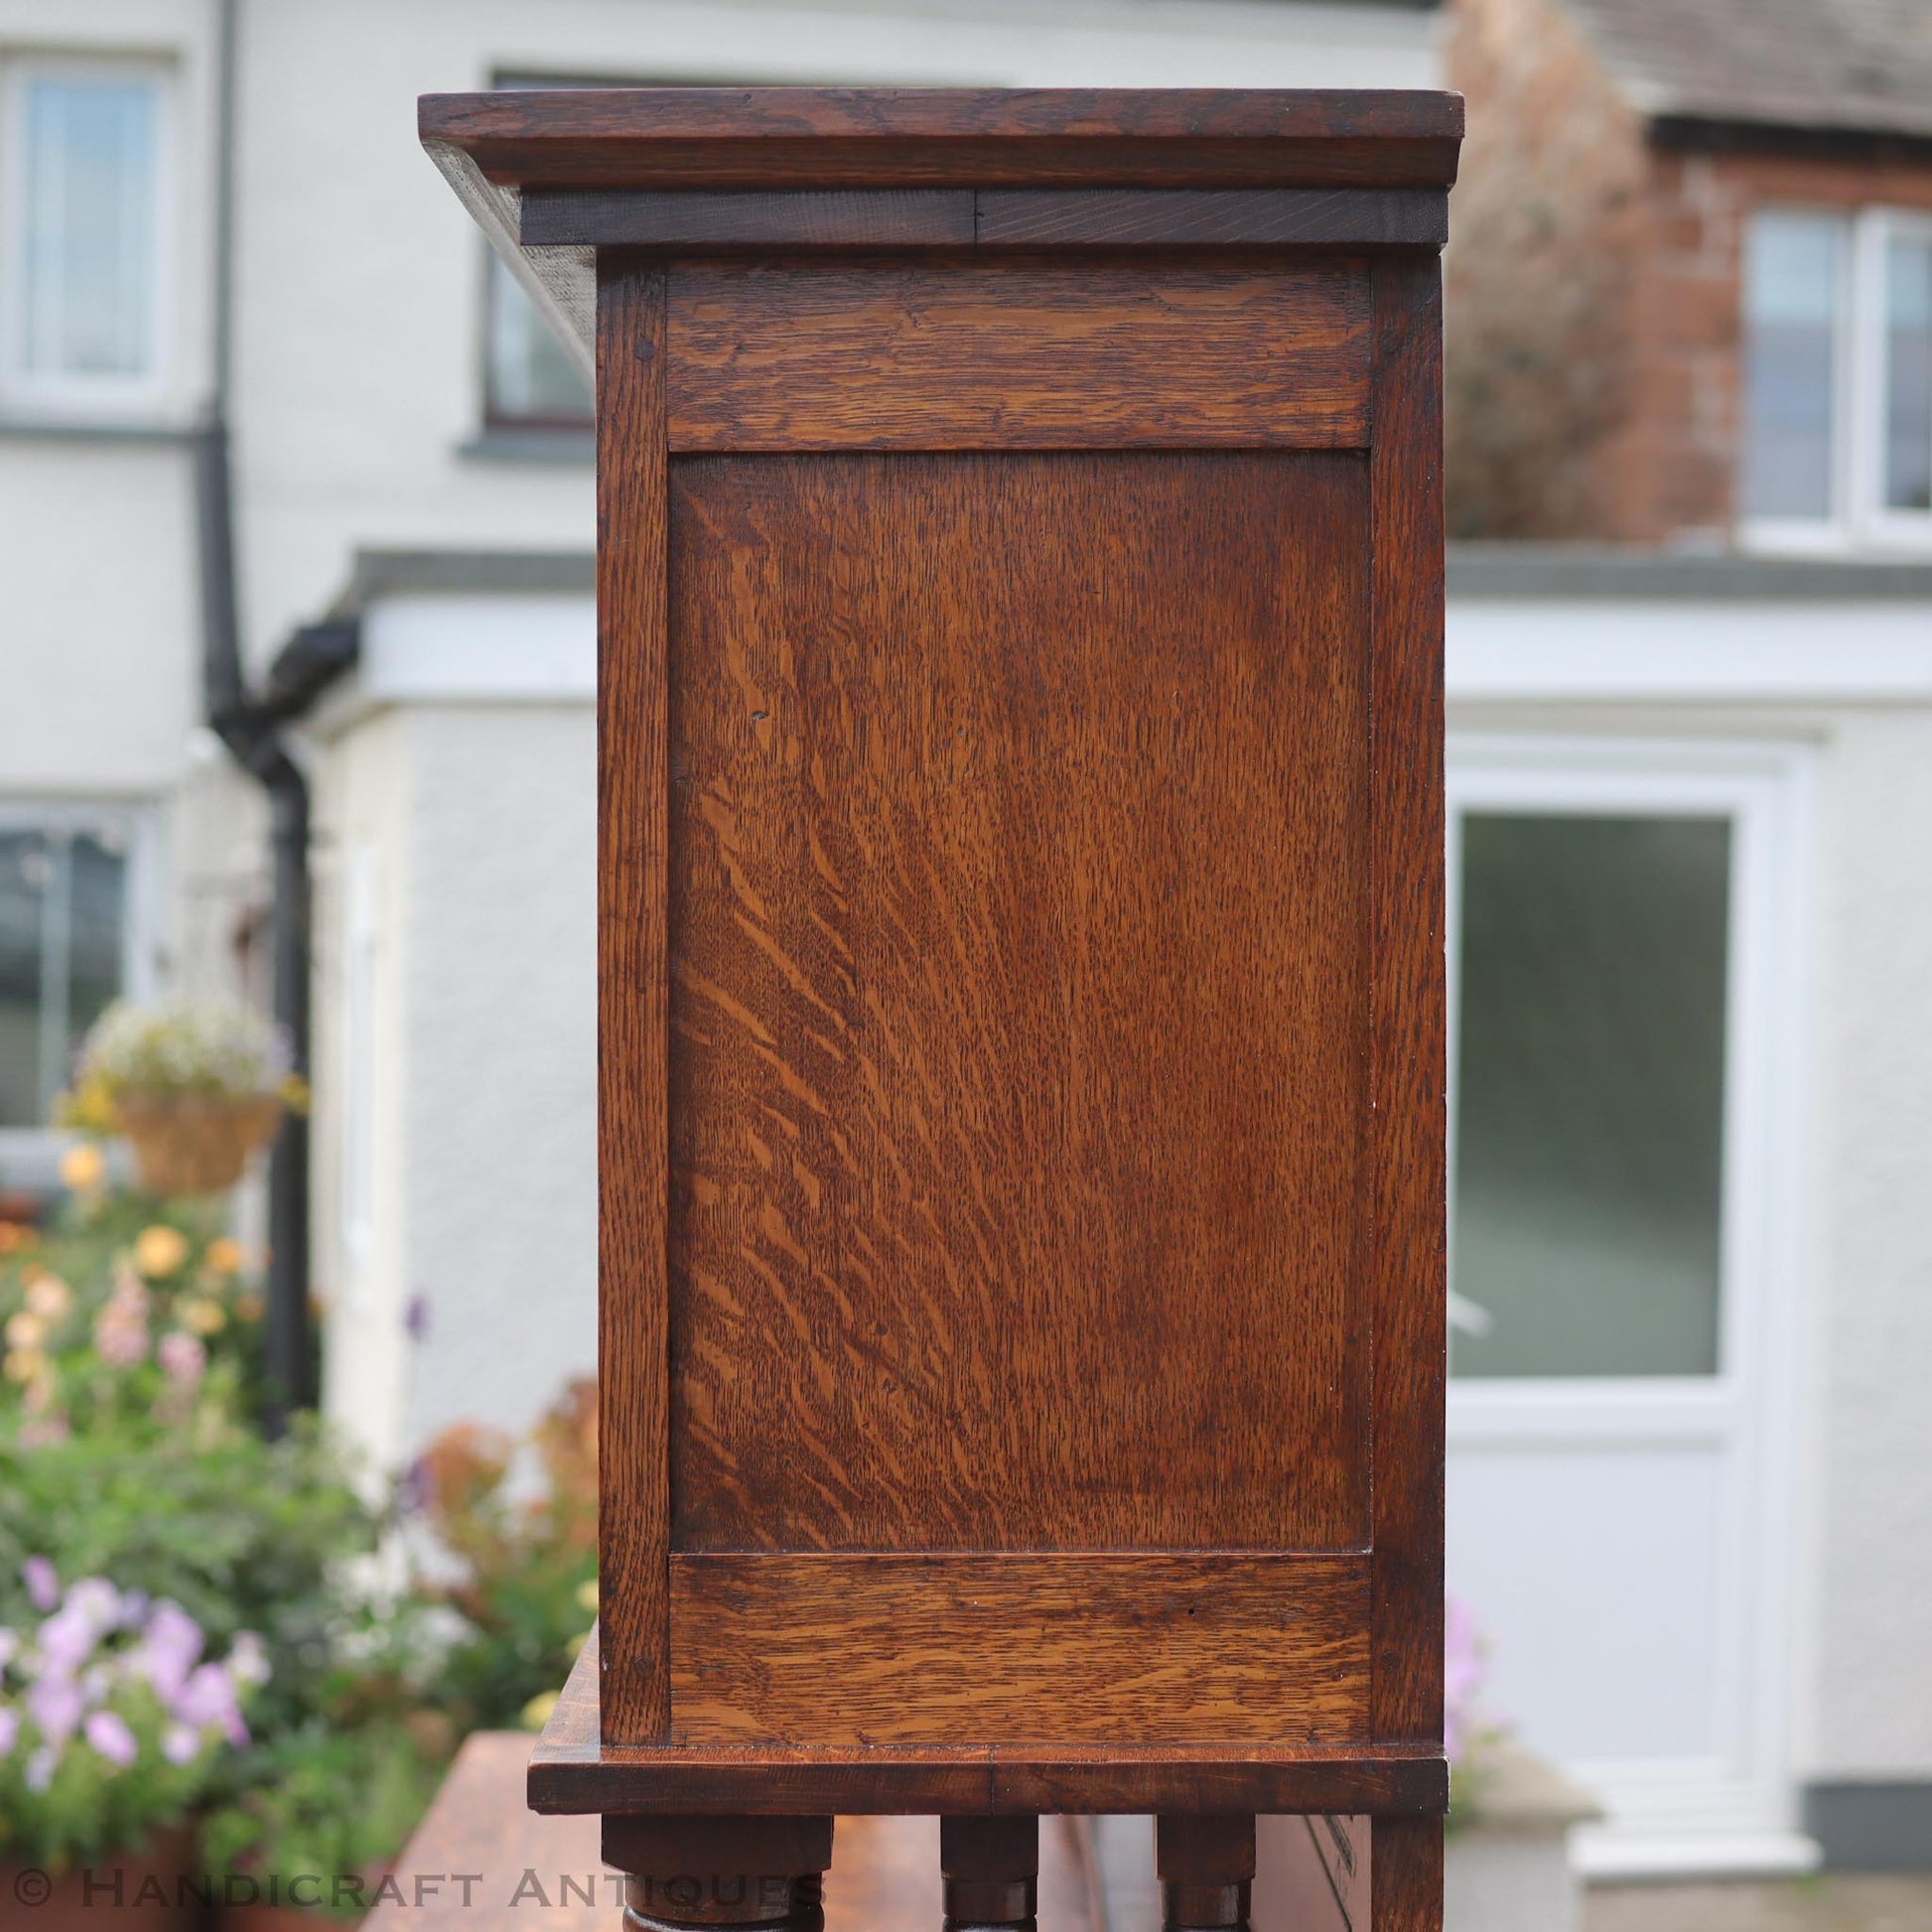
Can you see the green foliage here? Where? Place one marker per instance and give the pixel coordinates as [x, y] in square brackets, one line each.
[325, 1803]
[520, 1533]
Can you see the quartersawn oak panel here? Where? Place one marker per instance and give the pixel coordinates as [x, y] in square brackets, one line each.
[1019, 948]
[832, 355]
[869, 1650]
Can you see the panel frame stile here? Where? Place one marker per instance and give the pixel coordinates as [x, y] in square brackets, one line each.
[633, 1005]
[1408, 1117]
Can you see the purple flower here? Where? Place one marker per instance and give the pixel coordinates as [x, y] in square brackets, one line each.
[415, 1321]
[9, 1731]
[1464, 1667]
[53, 1704]
[68, 1639]
[110, 1737]
[181, 1744]
[98, 1601]
[43, 1584]
[170, 1647]
[208, 1698]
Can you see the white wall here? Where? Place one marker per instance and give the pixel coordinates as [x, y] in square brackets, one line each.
[1873, 1339]
[461, 862]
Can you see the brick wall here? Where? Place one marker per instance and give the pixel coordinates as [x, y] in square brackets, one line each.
[1593, 293]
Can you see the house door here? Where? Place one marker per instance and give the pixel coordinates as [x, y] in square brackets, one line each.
[1626, 998]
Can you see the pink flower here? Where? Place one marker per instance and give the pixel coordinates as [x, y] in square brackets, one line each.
[183, 1358]
[121, 1334]
[43, 1585]
[1464, 1669]
[109, 1735]
[181, 1744]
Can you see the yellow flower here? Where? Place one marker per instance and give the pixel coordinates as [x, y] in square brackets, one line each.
[201, 1316]
[82, 1168]
[51, 1299]
[24, 1364]
[160, 1250]
[587, 1597]
[248, 1306]
[26, 1330]
[223, 1254]
[536, 1713]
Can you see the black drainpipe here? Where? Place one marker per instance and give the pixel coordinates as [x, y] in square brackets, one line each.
[249, 727]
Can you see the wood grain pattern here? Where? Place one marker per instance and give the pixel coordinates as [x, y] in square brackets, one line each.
[877, 218]
[1404, 1874]
[882, 137]
[570, 1771]
[1227, 218]
[1018, 931]
[633, 1004]
[1408, 1058]
[909, 1650]
[826, 355]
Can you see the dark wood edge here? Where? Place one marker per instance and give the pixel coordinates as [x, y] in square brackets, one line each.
[634, 1008]
[771, 1784]
[795, 138]
[571, 1771]
[983, 219]
[1405, 1173]
[644, 114]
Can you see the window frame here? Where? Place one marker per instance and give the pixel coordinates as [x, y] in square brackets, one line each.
[1859, 520]
[29, 1155]
[30, 397]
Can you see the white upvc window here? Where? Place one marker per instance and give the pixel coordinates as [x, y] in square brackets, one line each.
[85, 237]
[77, 924]
[1836, 452]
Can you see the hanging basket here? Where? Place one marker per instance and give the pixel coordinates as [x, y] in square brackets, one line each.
[195, 1143]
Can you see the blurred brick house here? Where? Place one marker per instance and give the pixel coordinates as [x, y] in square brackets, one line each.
[1643, 180]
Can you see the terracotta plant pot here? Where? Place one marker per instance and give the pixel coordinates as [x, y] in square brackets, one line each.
[146, 1890]
[195, 1143]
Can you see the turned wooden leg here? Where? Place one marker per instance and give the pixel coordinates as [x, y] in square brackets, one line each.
[992, 1870]
[1404, 1874]
[1207, 1865]
[690, 1872]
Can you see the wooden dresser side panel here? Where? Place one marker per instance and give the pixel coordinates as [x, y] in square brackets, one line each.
[1020, 992]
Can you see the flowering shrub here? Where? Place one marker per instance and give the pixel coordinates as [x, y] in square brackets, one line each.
[111, 1719]
[180, 1047]
[123, 1314]
[508, 1543]
[1467, 1735]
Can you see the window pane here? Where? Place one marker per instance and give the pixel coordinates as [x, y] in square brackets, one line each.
[1908, 375]
[96, 932]
[1792, 266]
[90, 265]
[1589, 1097]
[530, 376]
[24, 873]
